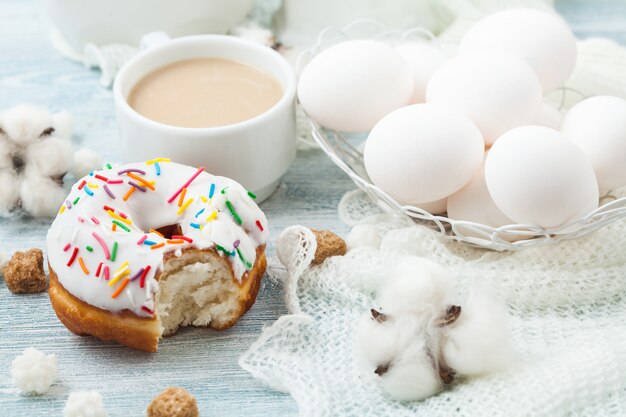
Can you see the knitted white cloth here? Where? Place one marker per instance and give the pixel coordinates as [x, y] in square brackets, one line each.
[568, 322]
[567, 303]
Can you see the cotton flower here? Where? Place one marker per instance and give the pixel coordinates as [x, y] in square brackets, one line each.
[10, 191]
[52, 157]
[84, 404]
[26, 124]
[35, 155]
[41, 196]
[412, 375]
[417, 286]
[85, 161]
[363, 236]
[381, 338]
[417, 339]
[33, 371]
[478, 342]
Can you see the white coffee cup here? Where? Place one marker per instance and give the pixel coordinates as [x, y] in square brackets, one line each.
[255, 152]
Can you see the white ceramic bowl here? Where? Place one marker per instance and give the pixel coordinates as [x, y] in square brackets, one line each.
[126, 21]
[255, 152]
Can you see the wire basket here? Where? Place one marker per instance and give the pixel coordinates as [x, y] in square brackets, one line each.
[342, 151]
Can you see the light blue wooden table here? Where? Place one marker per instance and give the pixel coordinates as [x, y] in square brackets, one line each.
[203, 361]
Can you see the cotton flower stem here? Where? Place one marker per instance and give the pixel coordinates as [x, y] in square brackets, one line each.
[452, 314]
[382, 369]
[378, 316]
[446, 374]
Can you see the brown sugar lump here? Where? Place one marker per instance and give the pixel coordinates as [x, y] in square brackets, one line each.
[24, 273]
[328, 244]
[173, 402]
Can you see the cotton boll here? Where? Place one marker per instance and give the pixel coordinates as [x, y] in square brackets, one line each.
[423, 58]
[85, 161]
[63, 123]
[380, 340]
[6, 153]
[549, 116]
[41, 196]
[363, 236]
[412, 376]
[51, 157]
[33, 371]
[418, 286]
[478, 342]
[84, 404]
[10, 191]
[25, 124]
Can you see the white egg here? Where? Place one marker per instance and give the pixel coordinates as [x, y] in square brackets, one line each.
[473, 203]
[542, 39]
[352, 85]
[549, 116]
[537, 176]
[423, 153]
[498, 92]
[434, 207]
[598, 126]
[423, 58]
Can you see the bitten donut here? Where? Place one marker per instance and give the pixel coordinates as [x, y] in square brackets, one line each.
[139, 250]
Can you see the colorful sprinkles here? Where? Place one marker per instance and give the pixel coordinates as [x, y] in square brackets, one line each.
[114, 252]
[186, 184]
[230, 207]
[103, 243]
[82, 265]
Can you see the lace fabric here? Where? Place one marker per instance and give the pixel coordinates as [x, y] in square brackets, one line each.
[568, 324]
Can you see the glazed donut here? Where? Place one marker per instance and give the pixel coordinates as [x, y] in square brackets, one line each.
[139, 250]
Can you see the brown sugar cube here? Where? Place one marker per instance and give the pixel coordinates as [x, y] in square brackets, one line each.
[328, 244]
[173, 402]
[24, 273]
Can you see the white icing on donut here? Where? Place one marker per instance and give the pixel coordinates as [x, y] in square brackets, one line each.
[214, 212]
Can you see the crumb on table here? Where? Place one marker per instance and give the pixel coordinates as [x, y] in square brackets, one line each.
[24, 273]
[173, 402]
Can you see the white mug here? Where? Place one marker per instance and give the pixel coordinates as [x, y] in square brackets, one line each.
[126, 21]
[255, 152]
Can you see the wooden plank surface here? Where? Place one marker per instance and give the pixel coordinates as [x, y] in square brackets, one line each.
[203, 361]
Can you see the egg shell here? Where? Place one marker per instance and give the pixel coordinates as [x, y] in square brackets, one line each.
[498, 92]
[542, 39]
[423, 153]
[423, 58]
[598, 126]
[352, 85]
[537, 176]
[473, 203]
[549, 116]
[434, 207]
